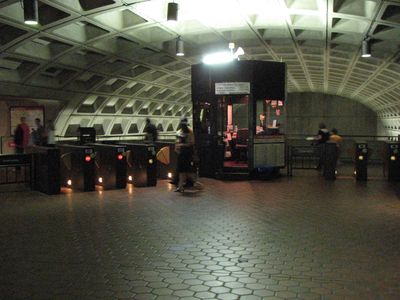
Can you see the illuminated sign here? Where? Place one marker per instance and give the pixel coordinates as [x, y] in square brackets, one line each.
[232, 88]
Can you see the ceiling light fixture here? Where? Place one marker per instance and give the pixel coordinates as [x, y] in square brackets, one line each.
[224, 56]
[180, 51]
[366, 48]
[172, 12]
[30, 12]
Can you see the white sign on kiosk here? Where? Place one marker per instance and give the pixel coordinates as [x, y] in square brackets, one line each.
[232, 88]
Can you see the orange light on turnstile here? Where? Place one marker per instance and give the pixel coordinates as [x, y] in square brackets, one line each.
[100, 179]
[69, 182]
[360, 157]
[393, 157]
[169, 175]
[120, 156]
[88, 158]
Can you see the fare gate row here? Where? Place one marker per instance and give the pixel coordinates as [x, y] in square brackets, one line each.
[82, 167]
[112, 166]
[325, 158]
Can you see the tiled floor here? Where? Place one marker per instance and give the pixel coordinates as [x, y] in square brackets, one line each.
[297, 238]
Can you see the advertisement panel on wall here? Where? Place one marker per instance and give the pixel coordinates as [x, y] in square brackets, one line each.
[29, 112]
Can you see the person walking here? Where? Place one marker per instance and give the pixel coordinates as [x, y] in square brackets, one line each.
[323, 134]
[151, 132]
[21, 136]
[184, 147]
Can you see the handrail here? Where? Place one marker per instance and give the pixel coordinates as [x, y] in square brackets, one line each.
[389, 137]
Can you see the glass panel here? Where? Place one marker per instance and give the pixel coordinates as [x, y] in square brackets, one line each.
[236, 132]
[269, 114]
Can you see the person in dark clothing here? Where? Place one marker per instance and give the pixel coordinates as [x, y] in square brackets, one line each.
[21, 136]
[38, 134]
[151, 132]
[322, 137]
[184, 147]
[323, 134]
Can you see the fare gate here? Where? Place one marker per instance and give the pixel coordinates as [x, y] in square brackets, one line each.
[361, 161]
[392, 161]
[141, 164]
[110, 165]
[77, 167]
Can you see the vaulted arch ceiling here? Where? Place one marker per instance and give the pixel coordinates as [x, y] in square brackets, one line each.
[115, 59]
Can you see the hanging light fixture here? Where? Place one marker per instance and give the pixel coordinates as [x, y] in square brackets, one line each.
[224, 56]
[366, 48]
[180, 51]
[172, 13]
[30, 12]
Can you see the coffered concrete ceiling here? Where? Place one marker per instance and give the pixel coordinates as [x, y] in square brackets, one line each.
[114, 60]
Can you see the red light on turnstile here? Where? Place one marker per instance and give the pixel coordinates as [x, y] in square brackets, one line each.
[88, 158]
[120, 156]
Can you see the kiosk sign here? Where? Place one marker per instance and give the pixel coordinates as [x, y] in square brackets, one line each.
[232, 88]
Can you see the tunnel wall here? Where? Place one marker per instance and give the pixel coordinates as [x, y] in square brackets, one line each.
[306, 110]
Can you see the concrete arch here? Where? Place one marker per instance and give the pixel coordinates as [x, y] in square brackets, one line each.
[115, 60]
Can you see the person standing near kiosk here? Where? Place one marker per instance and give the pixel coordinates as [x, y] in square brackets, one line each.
[21, 136]
[184, 147]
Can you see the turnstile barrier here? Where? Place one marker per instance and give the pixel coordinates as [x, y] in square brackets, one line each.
[46, 166]
[141, 164]
[77, 167]
[361, 161]
[392, 160]
[110, 165]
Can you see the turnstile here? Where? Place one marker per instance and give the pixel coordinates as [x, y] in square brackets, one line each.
[110, 165]
[361, 161]
[392, 160]
[46, 166]
[77, 167]
[166, 160]
[141, 164]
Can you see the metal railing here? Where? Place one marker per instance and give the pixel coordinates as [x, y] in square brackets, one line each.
[375, 145]
[16, 168]
[302, 157]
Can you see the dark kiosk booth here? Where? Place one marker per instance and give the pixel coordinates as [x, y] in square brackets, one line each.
[238, 117]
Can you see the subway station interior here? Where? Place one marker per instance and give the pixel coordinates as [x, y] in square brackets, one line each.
[270, 212]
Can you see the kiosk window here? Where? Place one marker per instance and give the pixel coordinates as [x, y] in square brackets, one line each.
[269, 117]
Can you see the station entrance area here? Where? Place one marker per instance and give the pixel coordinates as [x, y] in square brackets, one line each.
[299, 237]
